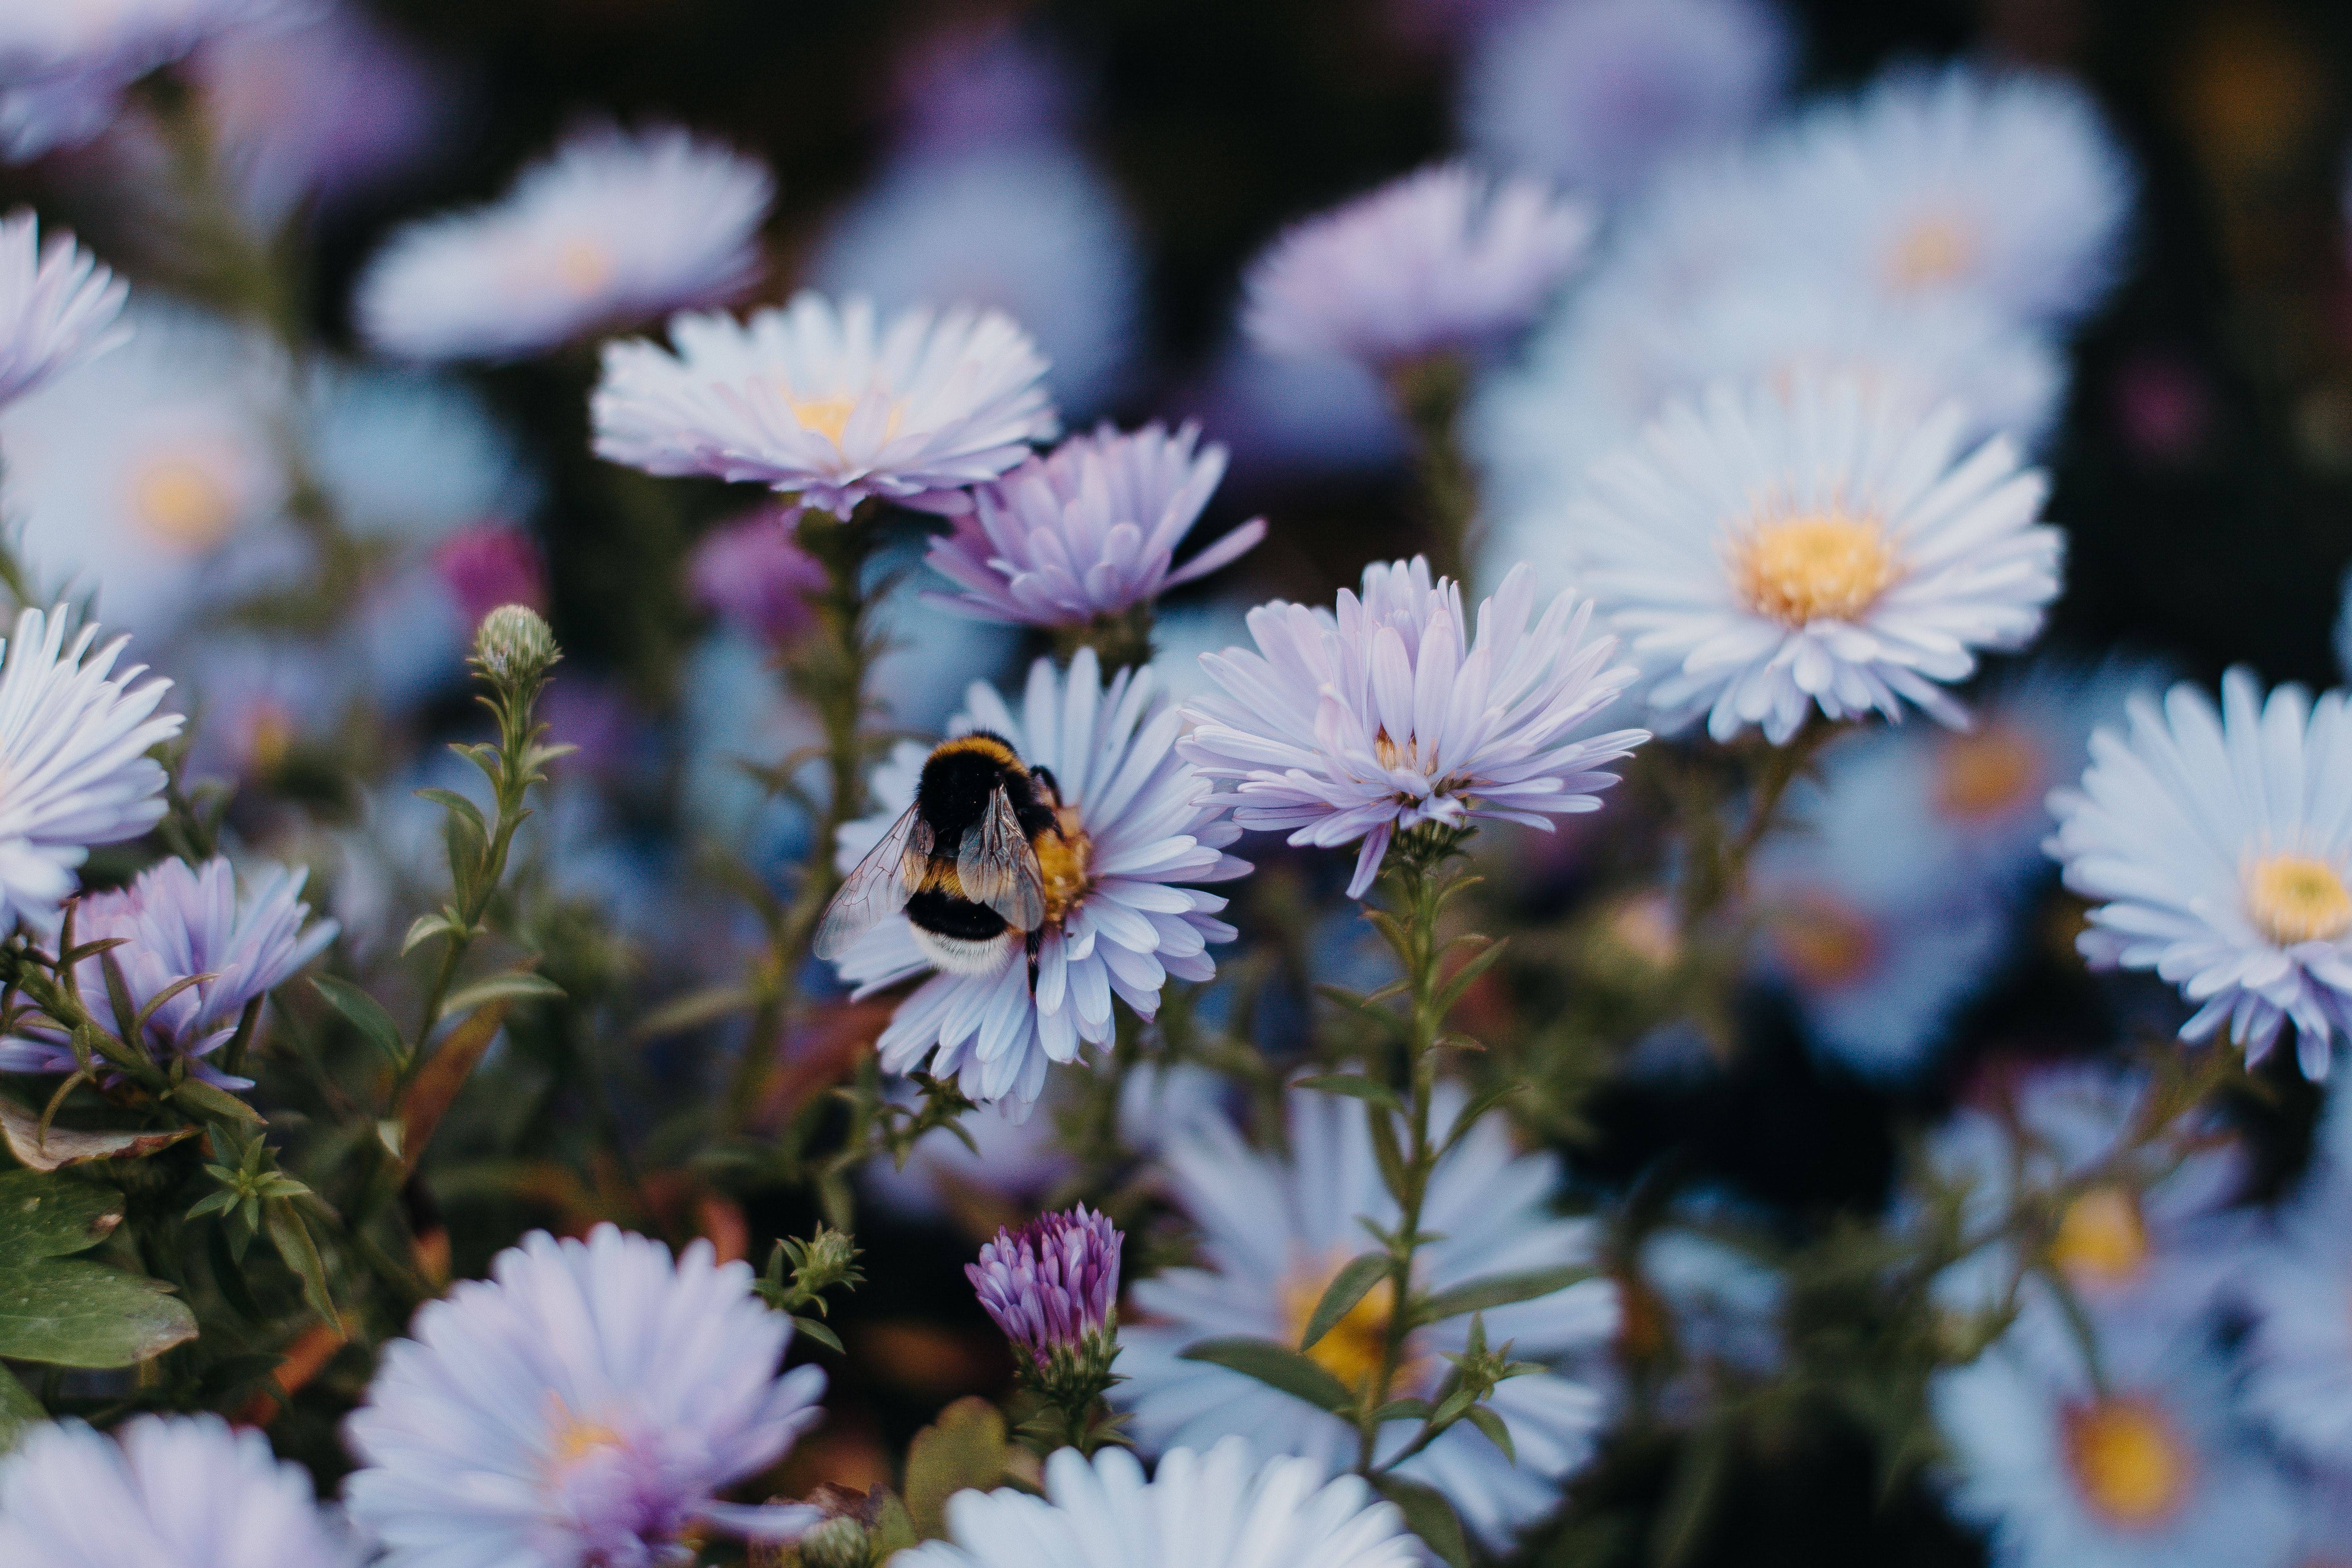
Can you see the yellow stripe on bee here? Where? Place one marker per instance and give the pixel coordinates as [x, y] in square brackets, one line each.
[940, 877]
[987, 746]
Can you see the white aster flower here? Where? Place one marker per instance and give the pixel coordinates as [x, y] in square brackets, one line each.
[1594, 93]
[1444, 259]
[1274, 1231]
[153, 479]
[2144, 1468]
[1389, 714]
[65, 64]
[58, 306]
[1223, 1509]
[613, 228]
[1146, 827]
[2005, 184]
[180, 1491]
[2216, 849]
[829, 403]
[1036, 232]
[1767, 553]
[74, 738]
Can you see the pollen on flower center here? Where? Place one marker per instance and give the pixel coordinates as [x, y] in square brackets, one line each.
[1936, 250]
[1987, 772]
[2101, 1239]
[573, 1439]
[2294, 898]
[2129, 1463]
[1353, 1349]
[1815, 566]
[183, 501]
[582, 266]
[1065, 859]
[1390, 755]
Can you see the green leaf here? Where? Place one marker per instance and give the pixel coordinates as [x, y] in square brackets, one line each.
[507, 985]
[893, 1528]
[820, 1332]
[1387, 1151]
[20, 1126]
[217, 1103]
[1466, 976]
[1429, 1516]
[53, 1217]
[68, 1313]
[424, 928]
[1499, 1290]
[1476, 1108]
[964, 1449]
[1385, 1019]
[1278, 1367]
[1351, 1285]
[366, 1015]
[1483, 1418]
[18, 1410]
[694, 1009]
[292, 1239]
[456, 805]
[1354, 1085]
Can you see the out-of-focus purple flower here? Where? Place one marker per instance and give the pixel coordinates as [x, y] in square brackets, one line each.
[828, 404]
[1594, 93]
[753, 575]
[175, 923]
[1087, 530]
[979, 85]
[74, 739]
[58, 306]
[186, 1490]
[489, 565]
[613, 228]
[1053, 1285]
[65, 64]
[328, 109]
[1440, 260]
[628, 1391]
[1387, 715]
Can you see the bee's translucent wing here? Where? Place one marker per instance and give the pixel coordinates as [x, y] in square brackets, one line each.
[998, 868]
[878, 888]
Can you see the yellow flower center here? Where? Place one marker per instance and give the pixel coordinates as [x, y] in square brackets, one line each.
[828, 416]
[582, 266]
[183, 501]
[1353, 1349]
[1823, 943]
[1815, 566]
[1936, 250]
[2101, 1239]
[2293, 898]
[571, 1439]
[1985, 772]
[270, 736]
[1066, 859]
[1390, 755]
[2130, 1463]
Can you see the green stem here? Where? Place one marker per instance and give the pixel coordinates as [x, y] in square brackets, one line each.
[1430, 392]
[1716, 871]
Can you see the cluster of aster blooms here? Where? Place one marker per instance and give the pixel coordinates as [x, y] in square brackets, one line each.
[1165, 934]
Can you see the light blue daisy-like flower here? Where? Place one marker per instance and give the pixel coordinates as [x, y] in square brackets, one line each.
[184, 1490]
[176, 923]
[1223, 1508]
[2215, 849]
[1274, 1230]
[586, 1405]
[2295, 1286]
[66, 64]
[58, 306]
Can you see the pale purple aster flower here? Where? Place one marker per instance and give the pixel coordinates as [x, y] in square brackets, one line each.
[1146, 828]
[586, 1405]
[754, 576]
[1087, 530]
[1386, 715]
[65, 64]
[2216, 849]
[829, 403]
[614, 228]
[1440, 260]
[187, 1491]
[1596, 93]
[1053, 1285]
[173, 923]
[74, 739]
[58, 306]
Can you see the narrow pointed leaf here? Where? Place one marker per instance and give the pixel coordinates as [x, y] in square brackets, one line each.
[1278, 1367]
[1351, 1285]
[1499, 1290]
[1429, 1516]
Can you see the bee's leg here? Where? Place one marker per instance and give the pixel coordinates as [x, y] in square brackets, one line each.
[1043, 779]
[1036, 939]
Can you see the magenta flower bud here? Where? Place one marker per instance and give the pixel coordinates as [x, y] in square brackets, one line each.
[1052, 1286]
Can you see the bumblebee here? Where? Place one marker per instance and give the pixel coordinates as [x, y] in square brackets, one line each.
[984, 859]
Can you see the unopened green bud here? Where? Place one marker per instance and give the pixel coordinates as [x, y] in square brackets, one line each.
[839, 1542]
[513, 645]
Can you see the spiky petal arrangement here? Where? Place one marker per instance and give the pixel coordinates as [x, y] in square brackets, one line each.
[58, 306]
[1370, 721]
[1054, 1284]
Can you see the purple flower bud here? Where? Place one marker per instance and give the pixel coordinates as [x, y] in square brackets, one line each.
[1052, 1286]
